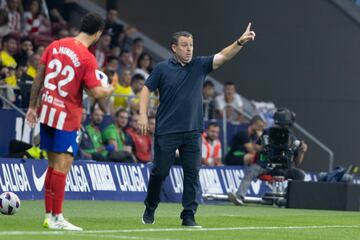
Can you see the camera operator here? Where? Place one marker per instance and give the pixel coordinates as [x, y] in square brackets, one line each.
[276, 159]
[244, 144]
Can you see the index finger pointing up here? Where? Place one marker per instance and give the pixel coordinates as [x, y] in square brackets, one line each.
[248, 27]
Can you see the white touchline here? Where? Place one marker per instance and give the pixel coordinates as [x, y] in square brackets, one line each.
[222, 229]
[120, 237]
[3, 233]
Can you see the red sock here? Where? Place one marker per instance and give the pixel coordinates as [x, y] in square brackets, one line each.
[48, 192]
[58, 181]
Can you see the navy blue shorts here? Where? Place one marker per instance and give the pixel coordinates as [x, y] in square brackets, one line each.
[59, 141]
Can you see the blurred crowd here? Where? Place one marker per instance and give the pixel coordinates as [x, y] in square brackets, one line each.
[108, 133]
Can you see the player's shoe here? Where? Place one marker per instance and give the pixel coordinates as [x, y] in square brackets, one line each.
[237, 200]
[148, 216]
[59, 223]
[46, 220]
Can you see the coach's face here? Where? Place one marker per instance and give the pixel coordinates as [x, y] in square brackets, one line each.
[183, 49]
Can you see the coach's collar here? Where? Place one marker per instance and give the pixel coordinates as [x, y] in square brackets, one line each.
[174, 61]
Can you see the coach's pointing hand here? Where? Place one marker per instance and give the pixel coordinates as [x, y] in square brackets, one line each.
[247, 35]
[143, 124]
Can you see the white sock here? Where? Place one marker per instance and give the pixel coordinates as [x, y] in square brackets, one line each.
[48, 215]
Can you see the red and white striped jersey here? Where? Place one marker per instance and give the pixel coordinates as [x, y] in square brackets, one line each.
[70, 66]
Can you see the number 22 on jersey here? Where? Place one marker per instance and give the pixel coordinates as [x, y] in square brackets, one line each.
[67, 72]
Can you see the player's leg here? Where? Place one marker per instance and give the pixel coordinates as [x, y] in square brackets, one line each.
[164, 156]
[190, 154]
[60, 145]
[48, 193]
[46, 143]
[62, 164]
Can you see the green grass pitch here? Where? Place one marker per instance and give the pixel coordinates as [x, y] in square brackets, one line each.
[121, 220]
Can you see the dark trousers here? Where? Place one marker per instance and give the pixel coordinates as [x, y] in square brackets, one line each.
[189, 146]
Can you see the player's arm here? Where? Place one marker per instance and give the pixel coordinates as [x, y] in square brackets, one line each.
[92, 80]
[230, 51]
[144, 102]
[100, 92]
[31, 115]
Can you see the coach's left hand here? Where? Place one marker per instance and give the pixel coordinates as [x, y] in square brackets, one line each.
[143, 124]
[247, 35]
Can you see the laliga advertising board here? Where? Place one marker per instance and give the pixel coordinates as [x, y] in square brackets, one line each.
[89, 180]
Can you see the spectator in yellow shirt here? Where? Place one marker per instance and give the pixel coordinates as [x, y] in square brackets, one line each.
[123, 88]
[33, 65]
[9, 49]
[137, 83]
[11, 79]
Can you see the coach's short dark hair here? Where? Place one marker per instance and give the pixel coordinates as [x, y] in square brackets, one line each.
[91, 23]
[176, 35]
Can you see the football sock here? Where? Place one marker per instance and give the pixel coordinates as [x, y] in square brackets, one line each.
[48, 192]
[58, 181]
[58, 217]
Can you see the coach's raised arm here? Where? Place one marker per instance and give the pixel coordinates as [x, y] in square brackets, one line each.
[230, 51]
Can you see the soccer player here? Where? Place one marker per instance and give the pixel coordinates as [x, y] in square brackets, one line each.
[179, 117]
[66, 68]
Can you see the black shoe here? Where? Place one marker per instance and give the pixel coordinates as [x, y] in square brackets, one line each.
[148, 216]
[190, 222]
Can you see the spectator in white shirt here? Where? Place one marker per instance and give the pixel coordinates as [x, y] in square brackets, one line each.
[230, 103]
[144, 65]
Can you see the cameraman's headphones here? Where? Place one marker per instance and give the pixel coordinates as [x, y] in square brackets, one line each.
[284, 117]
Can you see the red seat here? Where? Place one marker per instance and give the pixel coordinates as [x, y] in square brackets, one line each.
[266, 177]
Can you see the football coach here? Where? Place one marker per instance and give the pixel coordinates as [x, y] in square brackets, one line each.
[179, 118]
